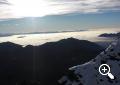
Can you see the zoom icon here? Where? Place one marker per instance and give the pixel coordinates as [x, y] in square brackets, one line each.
[104, 69]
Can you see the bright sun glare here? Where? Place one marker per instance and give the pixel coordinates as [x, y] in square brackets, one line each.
[32, 8]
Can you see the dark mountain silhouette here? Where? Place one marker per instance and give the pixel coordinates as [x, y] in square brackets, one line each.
[89, 74]
[44, 64]
[110, 35]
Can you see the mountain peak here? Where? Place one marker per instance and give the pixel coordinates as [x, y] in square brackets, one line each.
[88, 73]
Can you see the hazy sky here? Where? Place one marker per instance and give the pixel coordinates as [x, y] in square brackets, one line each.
[58, 15]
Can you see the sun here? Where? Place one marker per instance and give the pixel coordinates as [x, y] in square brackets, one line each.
[31, 8]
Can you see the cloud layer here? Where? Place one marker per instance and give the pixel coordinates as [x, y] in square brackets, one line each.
[64, 6]
[90, 6]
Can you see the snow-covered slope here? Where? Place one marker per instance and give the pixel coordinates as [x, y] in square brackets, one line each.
[88, 73]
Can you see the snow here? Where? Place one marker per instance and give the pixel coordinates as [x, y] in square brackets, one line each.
[88, 73]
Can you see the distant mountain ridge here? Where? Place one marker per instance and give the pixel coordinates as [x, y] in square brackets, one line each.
[110, 35]
[10, 34]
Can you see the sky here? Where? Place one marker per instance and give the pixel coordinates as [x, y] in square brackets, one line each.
[19, 16]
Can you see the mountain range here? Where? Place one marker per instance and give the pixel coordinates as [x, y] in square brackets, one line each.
[88, 73]
[43, 64]
[110, 35]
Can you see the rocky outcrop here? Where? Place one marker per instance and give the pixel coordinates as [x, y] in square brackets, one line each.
[88, 73]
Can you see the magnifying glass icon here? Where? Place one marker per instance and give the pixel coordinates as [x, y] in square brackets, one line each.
[104, 69]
